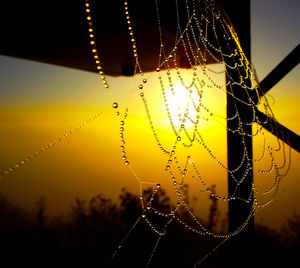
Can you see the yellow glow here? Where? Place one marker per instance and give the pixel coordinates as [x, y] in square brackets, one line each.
[180, 105]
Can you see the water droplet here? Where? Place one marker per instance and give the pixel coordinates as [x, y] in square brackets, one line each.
[115, 105]
[122, 123]
[126, 163]
[158, 185]
[140, 86]
[121, 129]
[178, 138]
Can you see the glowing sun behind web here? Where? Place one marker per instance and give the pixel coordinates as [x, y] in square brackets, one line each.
[183, 105]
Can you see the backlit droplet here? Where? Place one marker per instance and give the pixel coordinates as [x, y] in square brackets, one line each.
[121, 129]
[122, 147]
[143, 215]
[140, 86]
[144, 80]
[167, 167]
[115, 105]
[169, 161]
[124, 157]
[178, 138]
[158, 185]
[122, 123]
[142, 94]
[182, 126]
[126, 163]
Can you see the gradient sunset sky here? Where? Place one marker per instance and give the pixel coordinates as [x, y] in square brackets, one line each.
[40, 102]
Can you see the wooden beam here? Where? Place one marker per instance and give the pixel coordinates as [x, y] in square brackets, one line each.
[279, 131]
[282, 69]
[56, 32]
[242, 244]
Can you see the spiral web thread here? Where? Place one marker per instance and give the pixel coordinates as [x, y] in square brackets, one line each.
[202, 19]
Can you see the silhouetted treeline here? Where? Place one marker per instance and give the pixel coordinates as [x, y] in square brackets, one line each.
[93, 230]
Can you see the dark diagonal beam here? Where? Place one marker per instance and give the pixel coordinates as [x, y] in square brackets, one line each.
[282, 69]
[280, 131]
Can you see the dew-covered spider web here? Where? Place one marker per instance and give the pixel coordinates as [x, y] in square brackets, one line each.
[204, 34]
[185, 110]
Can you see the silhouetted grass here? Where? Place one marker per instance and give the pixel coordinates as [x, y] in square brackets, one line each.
[91, 232]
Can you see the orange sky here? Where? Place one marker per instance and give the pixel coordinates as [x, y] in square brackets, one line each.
[39, 103]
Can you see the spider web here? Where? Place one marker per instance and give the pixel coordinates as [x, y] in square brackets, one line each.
[204, 33]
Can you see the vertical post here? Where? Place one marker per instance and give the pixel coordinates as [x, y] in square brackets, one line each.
[240, 246]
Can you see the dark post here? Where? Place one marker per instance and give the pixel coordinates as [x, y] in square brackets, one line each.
[239, 246]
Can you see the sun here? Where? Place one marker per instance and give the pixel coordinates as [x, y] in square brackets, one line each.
[184, 105]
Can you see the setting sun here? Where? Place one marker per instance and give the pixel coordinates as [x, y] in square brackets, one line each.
[184, 105]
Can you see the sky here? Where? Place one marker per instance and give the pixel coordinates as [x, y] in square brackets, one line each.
[40, 103]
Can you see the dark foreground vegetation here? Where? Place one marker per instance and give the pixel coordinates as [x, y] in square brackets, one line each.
[89, 235]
